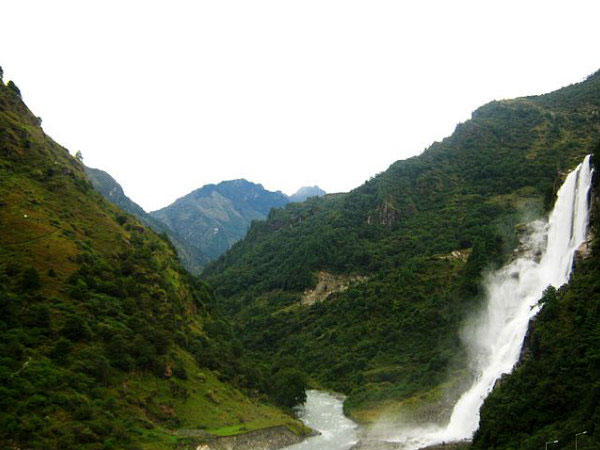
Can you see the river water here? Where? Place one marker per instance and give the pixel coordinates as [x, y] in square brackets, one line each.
[324, 413]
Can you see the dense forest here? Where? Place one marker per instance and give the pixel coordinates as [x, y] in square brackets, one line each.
[105, 340]
[419, 235]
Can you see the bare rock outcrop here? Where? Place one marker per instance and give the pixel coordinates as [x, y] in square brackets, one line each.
[327, 284]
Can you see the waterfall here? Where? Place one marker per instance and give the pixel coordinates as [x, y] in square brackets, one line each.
[512, 293]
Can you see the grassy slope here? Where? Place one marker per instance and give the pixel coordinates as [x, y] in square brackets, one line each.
[105, 341]
[396, 335]
[191, 258]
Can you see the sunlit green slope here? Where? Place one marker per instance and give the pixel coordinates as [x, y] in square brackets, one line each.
[105, 341]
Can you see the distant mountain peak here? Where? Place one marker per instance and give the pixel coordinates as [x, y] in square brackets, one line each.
[238, 185]
[239, 181]
[212, 218]
[306, 192]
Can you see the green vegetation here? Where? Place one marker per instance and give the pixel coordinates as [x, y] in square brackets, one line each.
[13, 87]
[191, 257]
[105, 340]
[555, 391]
[423, 232]
[211, 219]
[289, 387]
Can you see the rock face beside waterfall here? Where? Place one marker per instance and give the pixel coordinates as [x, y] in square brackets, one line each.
[585, 249]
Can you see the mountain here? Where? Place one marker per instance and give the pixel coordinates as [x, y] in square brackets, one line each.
[211, 219]
[112, 191]
[221, 214]
[105, 340]
[306, 192]
[192, 258]
[368, 291]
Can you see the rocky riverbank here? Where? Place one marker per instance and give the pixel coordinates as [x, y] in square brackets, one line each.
[265, 439]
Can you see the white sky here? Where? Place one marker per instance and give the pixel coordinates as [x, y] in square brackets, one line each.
[170, 95]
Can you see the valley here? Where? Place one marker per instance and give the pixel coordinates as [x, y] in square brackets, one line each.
[208, 221]
[424, 234]
[201, 325]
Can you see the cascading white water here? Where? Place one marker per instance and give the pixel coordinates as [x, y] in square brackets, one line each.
[513, 293]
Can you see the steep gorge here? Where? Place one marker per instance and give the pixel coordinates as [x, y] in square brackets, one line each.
[395, 336]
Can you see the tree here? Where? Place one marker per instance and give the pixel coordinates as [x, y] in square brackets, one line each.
[289, 387]
[61, 350]
[31, 280]
[1, 73]
[76, 329]
[13, 87]
[79, 156]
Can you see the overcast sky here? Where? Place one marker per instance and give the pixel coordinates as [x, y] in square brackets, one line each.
[170, 95]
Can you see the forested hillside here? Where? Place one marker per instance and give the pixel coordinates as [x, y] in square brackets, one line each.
[105, 340]
[419, 236]
[191, 257]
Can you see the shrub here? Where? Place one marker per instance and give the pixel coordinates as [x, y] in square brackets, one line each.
[13, 87]
[76, 329]
[179, 370]
[39, 316]
[30, 280]
[61, 350]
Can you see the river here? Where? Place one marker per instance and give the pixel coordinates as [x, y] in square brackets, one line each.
[324, 413]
